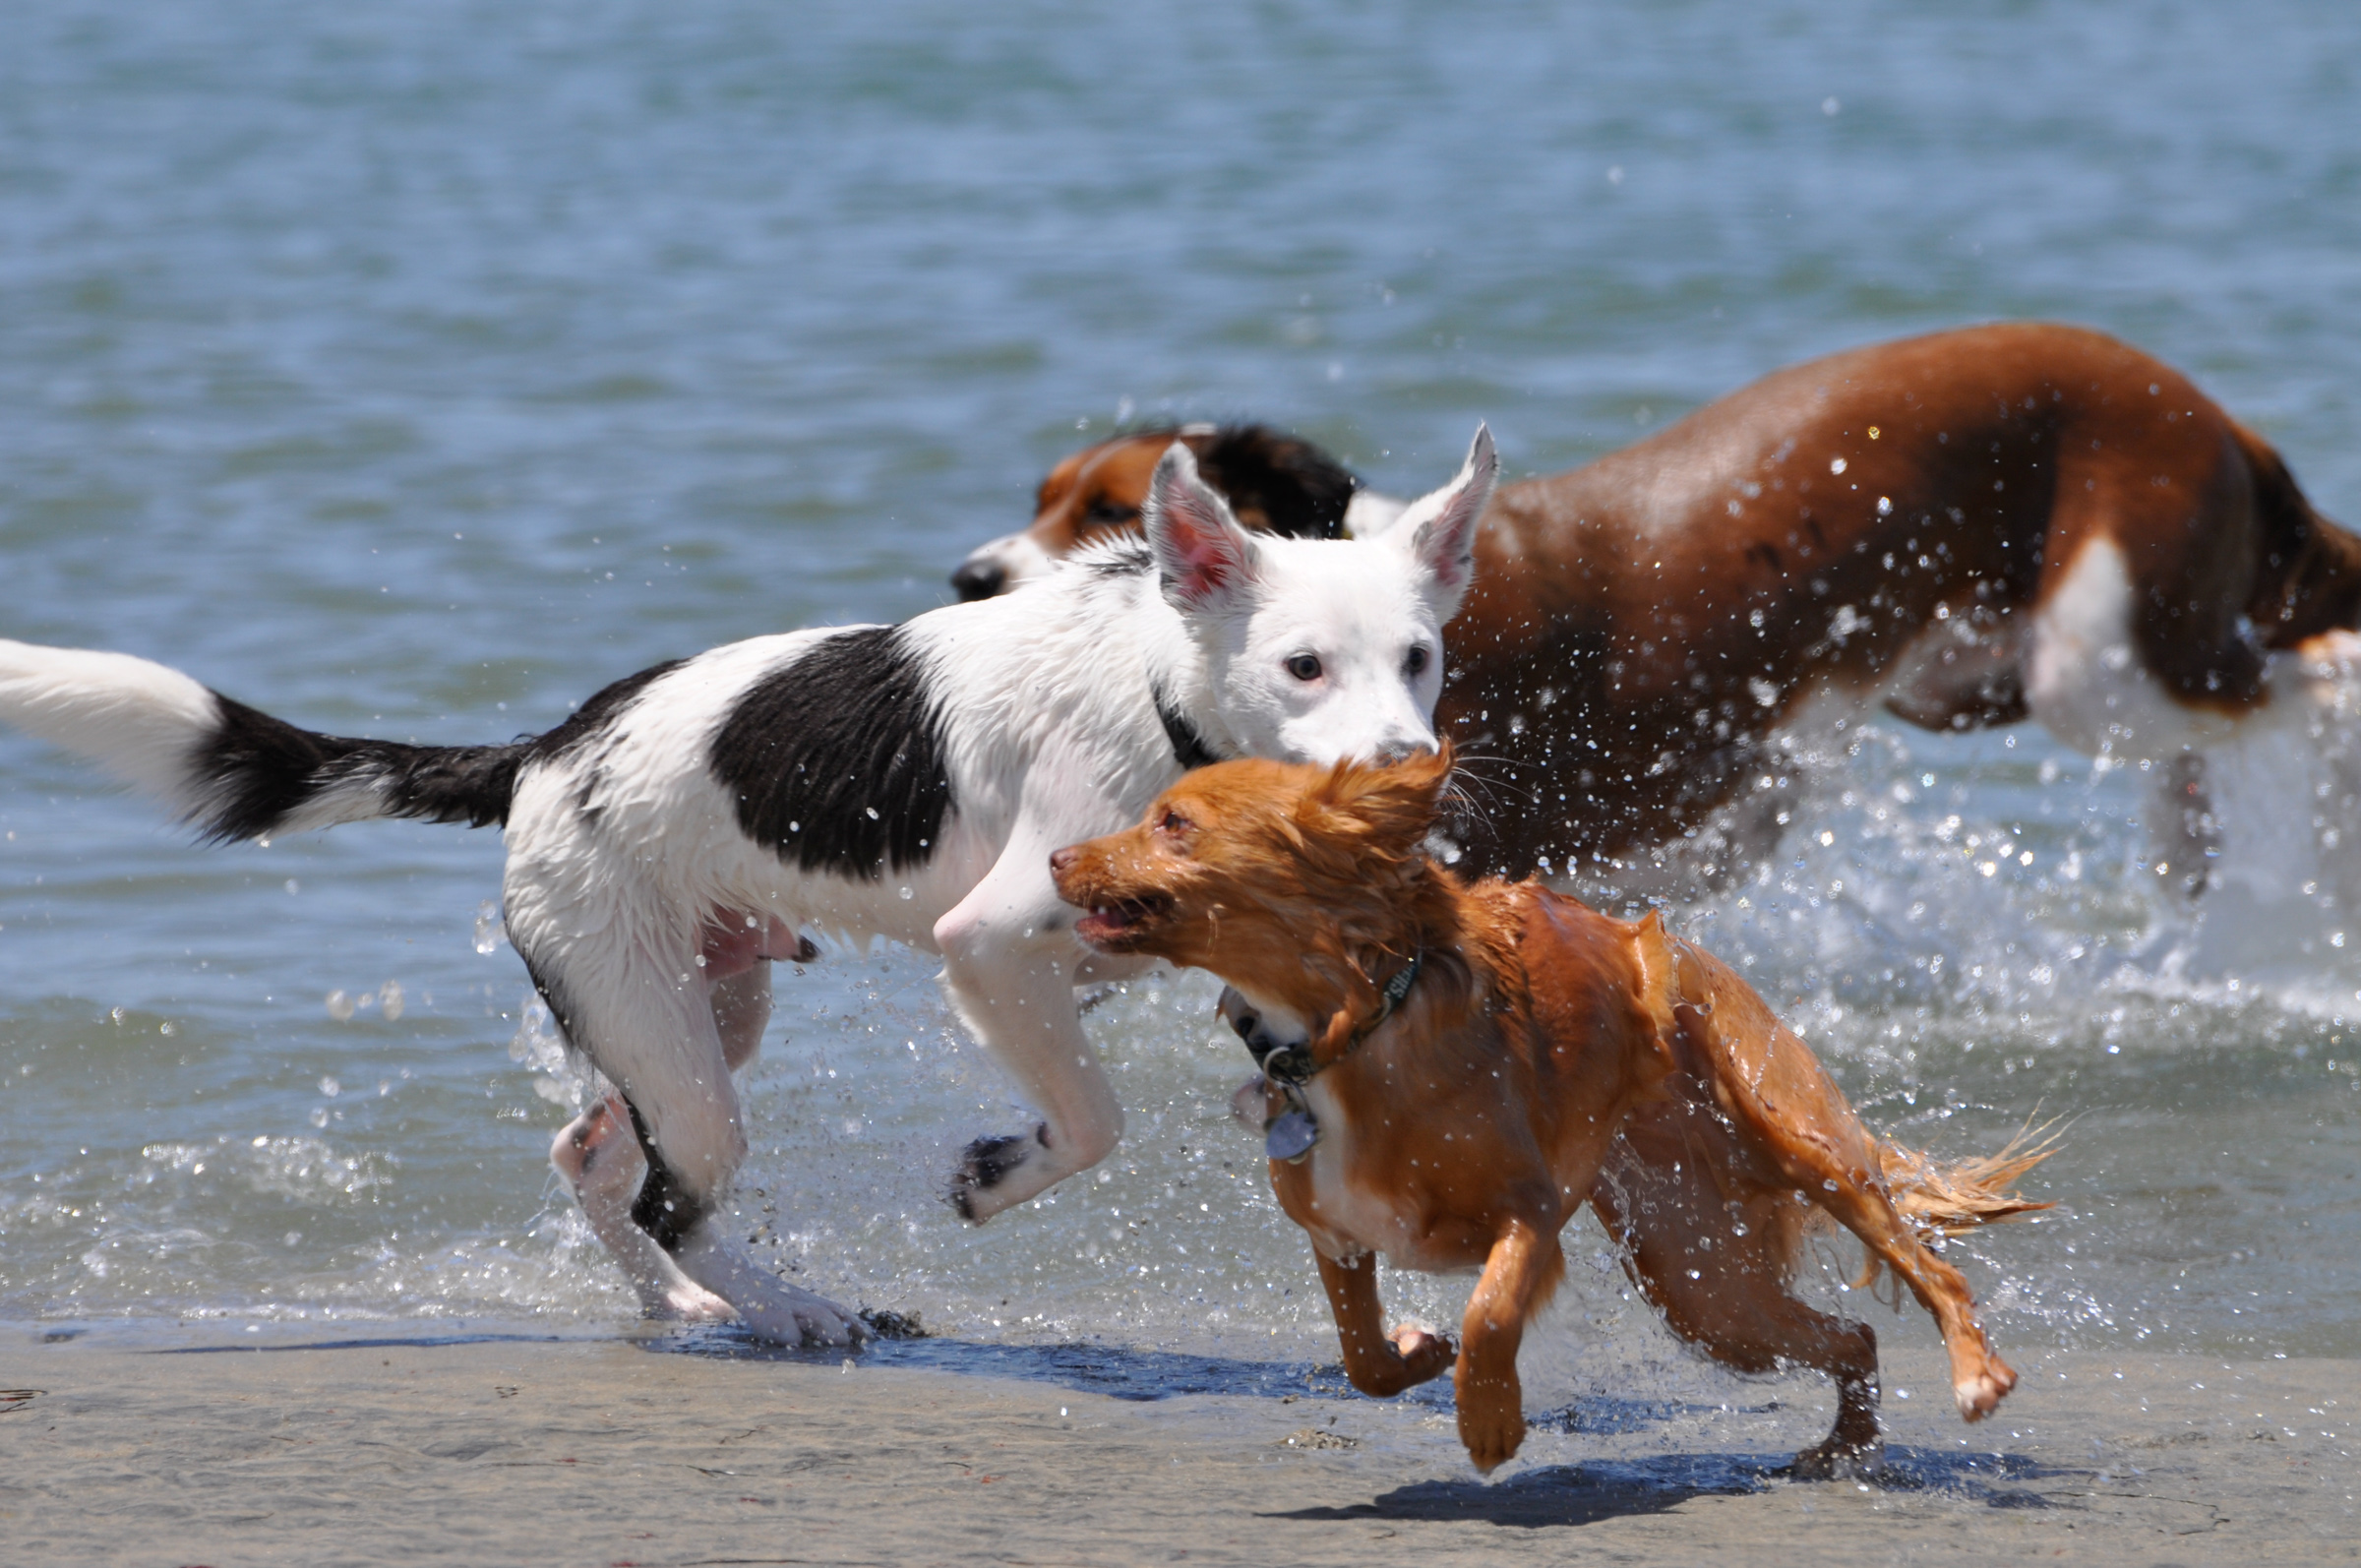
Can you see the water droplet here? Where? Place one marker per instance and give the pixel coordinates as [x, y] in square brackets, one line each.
[907, 894]
[871, 811]
[340, 1005]
[490, 930]
[389, 999]
[331, 1088]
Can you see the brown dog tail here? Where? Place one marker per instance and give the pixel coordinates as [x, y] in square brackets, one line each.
[2309, 580]
[1940, 1200]
[1950, 1199]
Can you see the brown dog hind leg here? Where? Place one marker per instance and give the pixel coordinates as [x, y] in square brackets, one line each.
[1717, 1272]
[1376, 1363]
[1522, 1272]
[1980, 1379]
[1790, 1123]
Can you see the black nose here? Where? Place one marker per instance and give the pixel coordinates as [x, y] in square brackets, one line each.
[977, 579]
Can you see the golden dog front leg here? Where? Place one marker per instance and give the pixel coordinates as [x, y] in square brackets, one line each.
[1376, 1363]
[1524, 1269]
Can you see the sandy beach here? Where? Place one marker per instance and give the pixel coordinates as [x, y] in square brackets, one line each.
[215, 1447]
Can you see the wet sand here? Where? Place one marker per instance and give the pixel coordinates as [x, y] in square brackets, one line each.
[215, 1447]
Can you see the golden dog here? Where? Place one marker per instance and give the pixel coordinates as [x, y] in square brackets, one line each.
[1458, 1066]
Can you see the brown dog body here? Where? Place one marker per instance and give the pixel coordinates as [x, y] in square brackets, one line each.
[1541, 1057]
[1967, 523]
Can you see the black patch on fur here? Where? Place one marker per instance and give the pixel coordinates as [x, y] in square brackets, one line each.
[664, 1208]
[836, 761]
[258, 770]
[1297, 489]
[1188, 747]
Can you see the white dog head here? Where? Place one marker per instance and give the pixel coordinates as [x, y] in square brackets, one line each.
[1319, 650]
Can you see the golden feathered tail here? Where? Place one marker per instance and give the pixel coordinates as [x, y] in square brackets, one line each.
[1945, 1200]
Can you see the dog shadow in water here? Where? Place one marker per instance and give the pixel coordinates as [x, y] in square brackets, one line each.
[1127, 1372]
[1562, 1496]
[1556, 1495]
[1115, 1372]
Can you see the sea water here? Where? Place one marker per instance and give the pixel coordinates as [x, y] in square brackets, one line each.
[416, 372]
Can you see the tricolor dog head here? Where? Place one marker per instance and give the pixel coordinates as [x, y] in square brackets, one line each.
[1315, 650]
[1253, 869]
[1275, 484]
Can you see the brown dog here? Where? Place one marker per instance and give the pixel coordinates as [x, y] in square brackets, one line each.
[1971, 524]
[1479, 1060]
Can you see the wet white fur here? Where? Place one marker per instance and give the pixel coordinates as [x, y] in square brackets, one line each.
[134, 719]
[1052, 737]
[2085, 678]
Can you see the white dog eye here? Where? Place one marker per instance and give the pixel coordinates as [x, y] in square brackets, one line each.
[1415, 664]
[1304, 667]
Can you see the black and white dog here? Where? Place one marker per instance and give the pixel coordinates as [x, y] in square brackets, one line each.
[909, 782]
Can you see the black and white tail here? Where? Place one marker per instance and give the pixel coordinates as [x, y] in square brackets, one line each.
[229, 770]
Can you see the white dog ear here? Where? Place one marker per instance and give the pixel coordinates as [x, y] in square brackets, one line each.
[1438, 529]
[1202, 555]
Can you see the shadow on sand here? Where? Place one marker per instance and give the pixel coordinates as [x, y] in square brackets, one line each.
[1566, 1495]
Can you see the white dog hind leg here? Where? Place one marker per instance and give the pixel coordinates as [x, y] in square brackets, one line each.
[771, 1308]
[779, 1311]
[600, 1155]
[639, 1007]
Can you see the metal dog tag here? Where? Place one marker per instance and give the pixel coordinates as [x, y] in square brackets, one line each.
[1289, 1137]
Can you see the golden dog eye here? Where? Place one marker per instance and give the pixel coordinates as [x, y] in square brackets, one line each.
[1174, 822]
[1304, 667]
